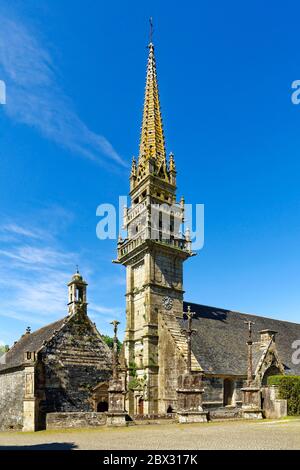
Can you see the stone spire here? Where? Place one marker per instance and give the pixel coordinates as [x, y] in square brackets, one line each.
[152, 143]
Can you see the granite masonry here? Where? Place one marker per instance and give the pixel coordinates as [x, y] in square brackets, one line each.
[58, 368]
[63, 374]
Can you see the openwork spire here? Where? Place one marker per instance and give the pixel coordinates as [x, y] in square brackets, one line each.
[152, 144]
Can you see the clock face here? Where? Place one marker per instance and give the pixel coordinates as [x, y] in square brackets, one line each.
[167, 302]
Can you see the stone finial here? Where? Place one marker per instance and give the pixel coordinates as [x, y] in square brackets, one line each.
[133, 167]
[266, 336]
[28, 330]
[172, 165]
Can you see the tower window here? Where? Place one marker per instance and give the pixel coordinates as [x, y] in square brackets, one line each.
[172, 221]
[79, 294]
[160, 220]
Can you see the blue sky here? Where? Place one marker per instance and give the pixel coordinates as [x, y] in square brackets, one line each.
[75, 76]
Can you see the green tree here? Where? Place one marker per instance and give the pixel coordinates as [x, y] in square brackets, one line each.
[289, 389]
[110, 342]
[3, 349]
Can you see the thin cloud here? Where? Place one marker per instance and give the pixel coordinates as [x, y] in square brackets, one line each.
[35, 255]
[19, 230]
[101, 309]
[34, 271]
[35, 98]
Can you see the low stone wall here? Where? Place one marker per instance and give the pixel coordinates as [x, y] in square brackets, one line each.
[225, 413]
[75, 420]
[273, 407]
[154, 416]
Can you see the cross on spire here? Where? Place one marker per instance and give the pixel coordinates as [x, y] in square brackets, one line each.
[189, 331]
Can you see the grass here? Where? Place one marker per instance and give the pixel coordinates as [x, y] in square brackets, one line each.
[141, 427]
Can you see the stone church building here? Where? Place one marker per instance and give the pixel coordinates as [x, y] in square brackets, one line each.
[65, 366]
[155, 345]
[62, 367]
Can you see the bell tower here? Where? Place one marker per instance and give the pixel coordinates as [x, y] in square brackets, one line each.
[153, 254]
[77, 294]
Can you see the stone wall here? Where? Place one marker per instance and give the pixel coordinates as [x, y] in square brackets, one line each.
[213, 392]
[238, 393]
[213, 396]
[273, 407]
[11, 400]
[171, 364]
[71, 365]
[75, 420]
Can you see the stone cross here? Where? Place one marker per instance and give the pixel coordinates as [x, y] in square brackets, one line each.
[115, 323]
[249, 343]
[189, 331]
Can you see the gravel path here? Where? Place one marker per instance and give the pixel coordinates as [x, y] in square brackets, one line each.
[283, 434]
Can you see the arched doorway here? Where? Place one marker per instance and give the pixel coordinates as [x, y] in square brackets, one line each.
[102, 407]
[100, 397]
[141, 406]
[228, 392]
[273, 370]
[170, 409]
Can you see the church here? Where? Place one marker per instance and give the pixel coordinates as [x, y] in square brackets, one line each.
[65, 367]
[155, 345]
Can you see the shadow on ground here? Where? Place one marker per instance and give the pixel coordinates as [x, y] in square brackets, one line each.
[52, 446]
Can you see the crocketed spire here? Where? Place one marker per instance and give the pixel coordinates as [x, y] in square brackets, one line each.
[152, 144]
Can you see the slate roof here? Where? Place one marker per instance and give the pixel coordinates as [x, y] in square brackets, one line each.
[219, 342]
[29, 342]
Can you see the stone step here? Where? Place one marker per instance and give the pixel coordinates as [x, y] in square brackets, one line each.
[224, 413]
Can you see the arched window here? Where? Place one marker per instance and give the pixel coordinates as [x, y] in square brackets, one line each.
[79, 294]
[141, 406]
[273, 370]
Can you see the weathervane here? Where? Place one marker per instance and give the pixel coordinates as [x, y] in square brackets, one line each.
[249, 343]
[189, 331]
[151, 29]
